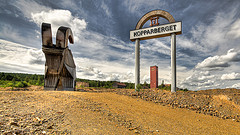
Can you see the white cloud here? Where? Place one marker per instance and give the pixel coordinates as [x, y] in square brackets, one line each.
[59, 18]
[11, 34]
[231, 76]
[29, 6]
[206, 83]
[199, 80]
[186, 43]
[113, 77]
[220, 61]
[66, 4]
[234, 31]
[94, 73]
[106, 9]
[205, 77]
[22, 59]
[155, 46]
[38, 13]
[213, 38]
[146, 78]
[237, 85]
[138, 7]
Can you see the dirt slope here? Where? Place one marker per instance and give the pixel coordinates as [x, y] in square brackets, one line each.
[49, 112]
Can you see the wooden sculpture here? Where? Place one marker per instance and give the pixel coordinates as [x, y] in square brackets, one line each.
[60, 69]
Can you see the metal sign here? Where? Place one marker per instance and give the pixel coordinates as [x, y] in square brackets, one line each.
[154, 21]
[157, 31]
[172, 29]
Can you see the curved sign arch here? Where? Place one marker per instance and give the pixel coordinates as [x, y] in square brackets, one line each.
[154, 13]
[172, 29]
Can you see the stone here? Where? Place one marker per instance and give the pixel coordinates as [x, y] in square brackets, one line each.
[7, 133]
[17, 131]
[13, 123]
[136, 131]
[50, 127]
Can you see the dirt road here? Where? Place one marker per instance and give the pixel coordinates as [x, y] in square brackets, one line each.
[51, 112]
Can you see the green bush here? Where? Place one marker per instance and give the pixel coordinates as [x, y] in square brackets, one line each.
[25, 84]
[10, 84]
[25, 79]
[21, 84]
[138, 88]
[185, 89]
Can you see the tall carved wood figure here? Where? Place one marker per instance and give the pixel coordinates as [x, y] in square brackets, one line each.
[60, 69]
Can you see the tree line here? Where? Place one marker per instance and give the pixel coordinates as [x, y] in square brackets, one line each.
[20, 80]
[104, 84]
[23, 80]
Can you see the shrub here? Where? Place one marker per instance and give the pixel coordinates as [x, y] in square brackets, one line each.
[138, 87]
[10, 84]
[185, 89]
[19, 85]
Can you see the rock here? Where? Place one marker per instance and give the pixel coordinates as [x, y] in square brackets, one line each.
[136, 131]
[38, 119]
[151, 131]
[14, 124]
[7, 133]
[17, 131]
[59, 112]
[36, 124]
[26, 130]
[4, 101]
[130, 129]
[50, 127]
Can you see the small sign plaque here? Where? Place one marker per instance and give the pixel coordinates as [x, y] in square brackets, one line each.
[157, 31]
[154, 21]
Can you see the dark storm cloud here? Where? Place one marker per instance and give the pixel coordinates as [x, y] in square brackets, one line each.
[14, 26]
[187, 51]
[119, 20]
[39, 62]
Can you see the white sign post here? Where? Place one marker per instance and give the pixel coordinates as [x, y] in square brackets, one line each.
[172, 29]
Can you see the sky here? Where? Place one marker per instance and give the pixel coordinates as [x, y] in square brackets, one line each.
[208, 50]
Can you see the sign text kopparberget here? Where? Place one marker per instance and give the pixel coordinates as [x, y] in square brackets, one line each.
[155, 30]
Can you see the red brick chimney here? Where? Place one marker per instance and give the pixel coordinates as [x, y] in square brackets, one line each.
[153, 77]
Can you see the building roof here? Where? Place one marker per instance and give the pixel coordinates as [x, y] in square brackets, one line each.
[121, 84]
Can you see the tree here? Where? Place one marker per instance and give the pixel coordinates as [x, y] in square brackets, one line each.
[13, 81]
[39, 81]
[20, 85]
[162, 86]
